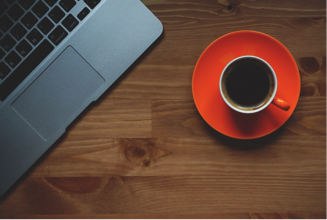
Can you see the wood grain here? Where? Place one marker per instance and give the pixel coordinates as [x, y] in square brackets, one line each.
[168, 194]
[169, 157]
[122, 118]
[308, 215]
[143, 151]
[313, 76]
[175, 118]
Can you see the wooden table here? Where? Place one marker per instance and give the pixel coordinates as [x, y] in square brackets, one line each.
[143, 151]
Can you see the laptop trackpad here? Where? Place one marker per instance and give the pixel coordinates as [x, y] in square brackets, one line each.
[56, 97]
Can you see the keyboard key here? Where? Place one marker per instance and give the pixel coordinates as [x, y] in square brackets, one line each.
[56, 14]
[1, 34]
[40, 9]
[15, 12]
[57, 35]
[50, 2]
[92, 3]
[7, 42]
[26, 4]
[45, 25]
[34, 37]
[3, 7]
[5, 23]
[83, 13]
[29, 20]
[67, 5]
[70, 22]
[2, 53]
[13, 59]
[18, 31]
[24, 48]
[4, 70]
[25, 68]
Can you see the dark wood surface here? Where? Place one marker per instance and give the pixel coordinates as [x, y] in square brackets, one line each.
[143, 151]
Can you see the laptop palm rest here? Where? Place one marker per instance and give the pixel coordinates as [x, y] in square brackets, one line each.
[66, 85]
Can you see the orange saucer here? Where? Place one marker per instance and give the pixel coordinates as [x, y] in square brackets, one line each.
[205, 84]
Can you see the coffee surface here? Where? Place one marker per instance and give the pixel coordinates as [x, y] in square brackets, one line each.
[248, 84]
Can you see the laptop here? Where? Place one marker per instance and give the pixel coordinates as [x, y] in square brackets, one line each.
[56, 57]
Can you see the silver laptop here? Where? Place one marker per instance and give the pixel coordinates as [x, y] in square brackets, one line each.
[56, 57]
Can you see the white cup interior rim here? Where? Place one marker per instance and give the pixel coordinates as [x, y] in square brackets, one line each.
[254, 110]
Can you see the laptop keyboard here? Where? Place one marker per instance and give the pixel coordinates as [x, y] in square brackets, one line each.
[29, 31]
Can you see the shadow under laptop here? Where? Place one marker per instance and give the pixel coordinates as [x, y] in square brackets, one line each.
[77, 119]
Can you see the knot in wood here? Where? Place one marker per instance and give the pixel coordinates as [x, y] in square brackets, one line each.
[138, 152]
[309, 64]
[142, 152]
[146, 163]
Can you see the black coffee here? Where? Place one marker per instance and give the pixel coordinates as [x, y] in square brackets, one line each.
[248, 82]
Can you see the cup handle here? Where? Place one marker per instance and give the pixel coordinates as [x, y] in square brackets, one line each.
[281, 104]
